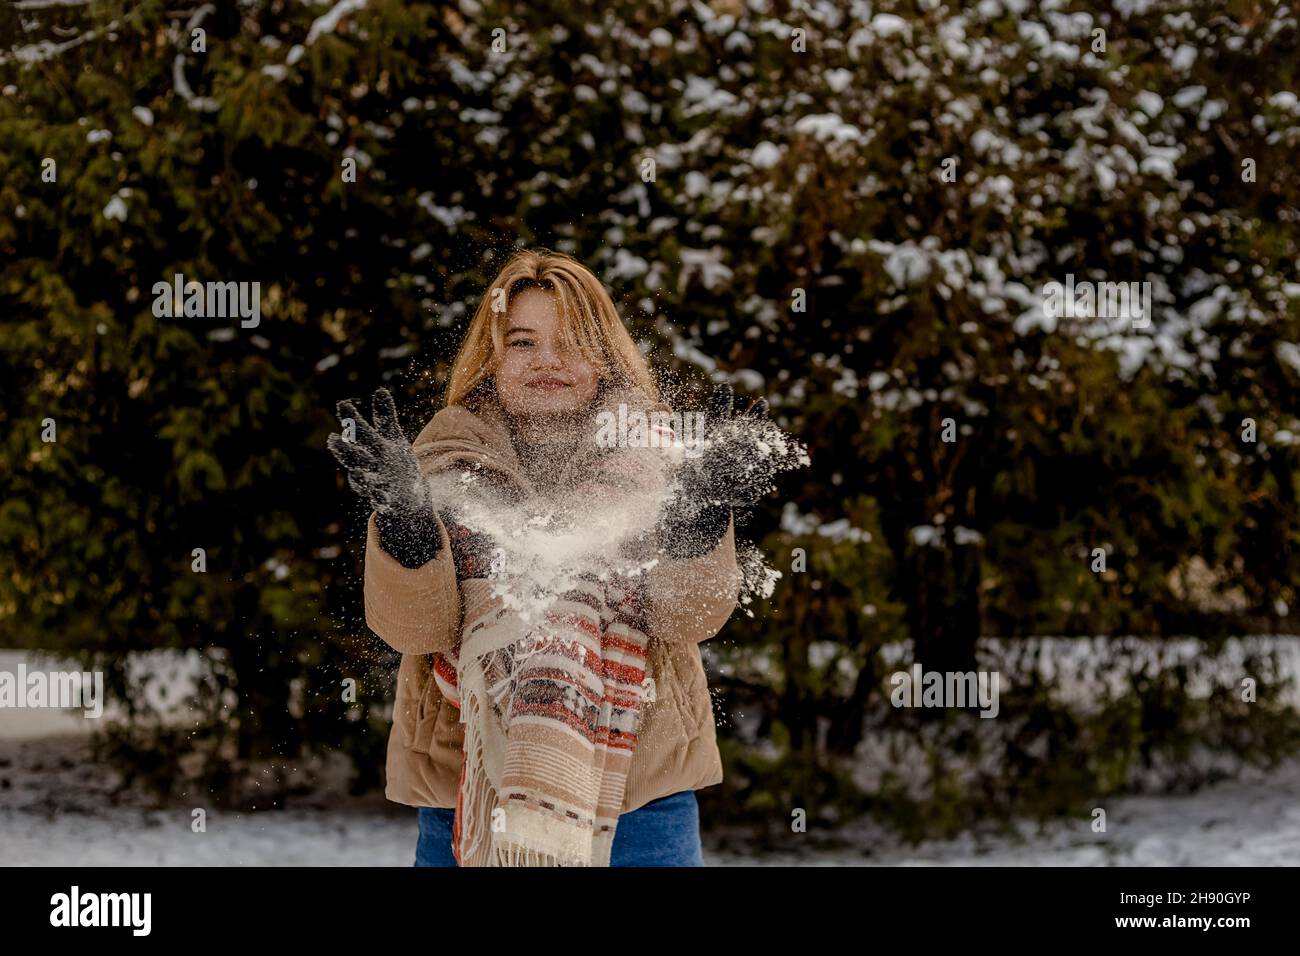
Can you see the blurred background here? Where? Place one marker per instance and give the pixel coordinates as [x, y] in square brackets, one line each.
[849, 208]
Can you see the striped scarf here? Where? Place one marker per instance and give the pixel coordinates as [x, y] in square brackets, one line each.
[551, 712]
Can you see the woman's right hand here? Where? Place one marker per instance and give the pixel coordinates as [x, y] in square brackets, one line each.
[382, 468]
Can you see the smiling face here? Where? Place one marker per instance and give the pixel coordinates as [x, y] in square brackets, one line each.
[538, 375]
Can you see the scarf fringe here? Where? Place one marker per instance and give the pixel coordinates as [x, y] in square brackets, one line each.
[476, 799]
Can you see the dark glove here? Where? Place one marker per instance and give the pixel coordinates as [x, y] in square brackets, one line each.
[383, 469]
[734, 469]
[730, 472]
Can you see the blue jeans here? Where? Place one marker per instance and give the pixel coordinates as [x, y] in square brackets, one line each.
[663, 832]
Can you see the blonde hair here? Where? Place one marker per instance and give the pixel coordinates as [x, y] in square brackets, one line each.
[587, 321]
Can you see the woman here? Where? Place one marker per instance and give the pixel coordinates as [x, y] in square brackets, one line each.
[591, 725]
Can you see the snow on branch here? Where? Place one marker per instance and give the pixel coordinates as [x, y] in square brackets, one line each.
[204, 104]
[34, 53]
[329, 22]
[40, 52]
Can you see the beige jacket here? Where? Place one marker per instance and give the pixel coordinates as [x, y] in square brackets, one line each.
[418, 612]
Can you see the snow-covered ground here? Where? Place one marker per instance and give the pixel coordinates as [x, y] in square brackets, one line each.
[1253, 821]
[58, 807]
[54, 812]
